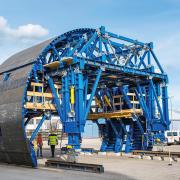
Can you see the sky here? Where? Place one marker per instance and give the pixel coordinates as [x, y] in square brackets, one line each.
[25, 23]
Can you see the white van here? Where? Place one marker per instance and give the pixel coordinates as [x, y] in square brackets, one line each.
[172, 137]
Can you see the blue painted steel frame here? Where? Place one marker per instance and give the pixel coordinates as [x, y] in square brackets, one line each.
[94, 55]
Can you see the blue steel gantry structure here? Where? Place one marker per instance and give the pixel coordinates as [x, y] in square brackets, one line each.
[93, 74]
[103, 75]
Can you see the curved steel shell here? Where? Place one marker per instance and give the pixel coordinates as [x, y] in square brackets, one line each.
[14, 147]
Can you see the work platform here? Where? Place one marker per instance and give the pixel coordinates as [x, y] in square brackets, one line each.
[125, 113]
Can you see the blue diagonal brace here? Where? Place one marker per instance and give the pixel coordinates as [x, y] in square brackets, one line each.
[108, 53]
[156, 60]
[36, 76]
[157, 101]
[120, 120]
[56, 98]
[114, 128]
[142, 102]
[129, 62]
[34, 134]
[122, 125]
[88, 43]
[76, 47]
[165, 104]
[142, 59]
[125, 96]
[86, 91]
[140, 97]
[56, 52]
[93, 93]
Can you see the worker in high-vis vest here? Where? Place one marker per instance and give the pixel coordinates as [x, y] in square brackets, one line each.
[52, 142]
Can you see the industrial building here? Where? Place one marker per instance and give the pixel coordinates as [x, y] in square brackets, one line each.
[90, 130]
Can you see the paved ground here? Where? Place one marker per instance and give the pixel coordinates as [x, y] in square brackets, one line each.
[138, 168]
[134, 168]
[116, 167]
[20, 173]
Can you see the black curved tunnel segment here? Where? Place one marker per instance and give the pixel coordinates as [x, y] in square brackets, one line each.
[14, 145]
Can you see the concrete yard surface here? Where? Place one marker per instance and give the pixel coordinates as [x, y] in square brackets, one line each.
[8, 172]
[137, 168]
[126, 166]
[116, 167]
[132, 168]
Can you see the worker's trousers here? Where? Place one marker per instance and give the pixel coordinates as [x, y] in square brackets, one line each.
[52, 150]
[39, 150]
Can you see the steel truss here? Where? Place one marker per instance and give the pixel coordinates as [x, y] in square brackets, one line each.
[83, 72]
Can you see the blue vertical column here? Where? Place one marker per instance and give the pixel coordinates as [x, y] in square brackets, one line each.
[74, 137]
[105, 136]
[151, 102]
[79, 100]
[69, 120]
[65, 99]
[165, 105]
[128, 147]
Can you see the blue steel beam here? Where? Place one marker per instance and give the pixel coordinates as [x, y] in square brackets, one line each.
[157, 101]
[165, 104]
[117, 68]
[86, 91]
[128, 102]
[127, 70]
[118, 141]
[34, 134]
[142, 102]
[142, 59]
[79, 105]
[92, 48]
[157, 61]
[119, 119]
[88, 43]
[65, 97]
[56, 52]
[76, 47]
[125, 39]
[92, 93]
[56, 98]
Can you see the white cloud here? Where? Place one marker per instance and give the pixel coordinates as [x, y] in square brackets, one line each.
[28, 31]
[13, 40]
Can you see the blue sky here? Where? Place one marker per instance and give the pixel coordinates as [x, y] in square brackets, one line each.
[155, 20]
